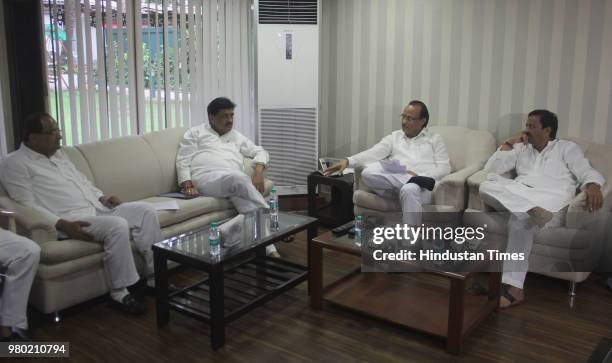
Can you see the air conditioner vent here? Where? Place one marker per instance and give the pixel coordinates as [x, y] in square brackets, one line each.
[289, 135]
[288, 12]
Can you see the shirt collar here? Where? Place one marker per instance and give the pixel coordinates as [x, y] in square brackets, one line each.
[31, 153]
[424, 133]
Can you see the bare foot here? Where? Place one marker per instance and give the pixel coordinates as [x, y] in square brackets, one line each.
[540, 216]
[511, 296]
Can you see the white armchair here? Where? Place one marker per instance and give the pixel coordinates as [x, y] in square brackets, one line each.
[468, 151]
[575, 247]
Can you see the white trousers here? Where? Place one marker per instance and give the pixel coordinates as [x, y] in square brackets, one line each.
[235, 185]
[411, 196]
[20, 257]
[521, 229]
[113, 229]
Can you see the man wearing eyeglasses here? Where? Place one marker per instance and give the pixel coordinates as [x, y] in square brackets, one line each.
[420, 152]
[548, 171]
[41, 176]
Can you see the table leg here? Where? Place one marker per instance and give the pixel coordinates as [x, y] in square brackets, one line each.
[312, 232]
[455, 316]
[217, 314]
[315, 276]
[495, 287]
[161, 288]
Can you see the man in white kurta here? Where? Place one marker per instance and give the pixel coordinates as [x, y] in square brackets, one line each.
[420, 151]
[548, 173]
[41, 176]
[19, 256]
[210, 162]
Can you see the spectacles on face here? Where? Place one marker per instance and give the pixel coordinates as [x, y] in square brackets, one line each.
[406, 118]
[530, 126]
[51, 132]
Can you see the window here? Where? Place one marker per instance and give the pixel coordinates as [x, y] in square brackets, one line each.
[123, 67]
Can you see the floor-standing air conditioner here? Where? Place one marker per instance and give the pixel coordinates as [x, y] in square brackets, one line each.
[287, 89]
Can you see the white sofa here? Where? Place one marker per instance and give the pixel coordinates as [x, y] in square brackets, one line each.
[468, 151]
[136, 168]
[574, 249]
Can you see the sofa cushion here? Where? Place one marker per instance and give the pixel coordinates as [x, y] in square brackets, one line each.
[477, 151]
[54, 252]
[124, 166]
[165, 144]
[79, 162]
[188, 208]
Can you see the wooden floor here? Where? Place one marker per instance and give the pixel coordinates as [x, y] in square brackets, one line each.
[546, 329]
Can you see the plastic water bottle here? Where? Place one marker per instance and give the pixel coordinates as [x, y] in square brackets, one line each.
[273, 209]
[359, 230]
[214, 239]
[273, 215]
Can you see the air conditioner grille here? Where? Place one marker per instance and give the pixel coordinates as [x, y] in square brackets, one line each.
[290, 137]
[287, 11]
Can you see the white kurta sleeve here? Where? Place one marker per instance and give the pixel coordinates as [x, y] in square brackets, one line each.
[441, 160]
[503, 161]
[579, 165]
[187, 149]
[377, 152]
[18, 184]
[250, 150]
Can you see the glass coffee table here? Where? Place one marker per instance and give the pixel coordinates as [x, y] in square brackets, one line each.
[239, 279]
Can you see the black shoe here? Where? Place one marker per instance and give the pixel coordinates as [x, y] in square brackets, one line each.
[129, 305]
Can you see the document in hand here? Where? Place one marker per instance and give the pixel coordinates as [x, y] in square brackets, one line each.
[393, 166]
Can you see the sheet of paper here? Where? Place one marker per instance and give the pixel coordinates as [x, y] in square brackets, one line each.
[402, 178]
[393, 166]
[166, 205]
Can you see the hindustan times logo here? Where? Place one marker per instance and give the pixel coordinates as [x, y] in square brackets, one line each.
[412, 233]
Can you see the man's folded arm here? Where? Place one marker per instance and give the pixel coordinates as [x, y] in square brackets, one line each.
[250, 150]
[187, 149]
[502, 161]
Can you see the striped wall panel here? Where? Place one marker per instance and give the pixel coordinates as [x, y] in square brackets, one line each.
[482, 64]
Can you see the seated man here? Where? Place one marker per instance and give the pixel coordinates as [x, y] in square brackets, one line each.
[210, 162]
[19, 256]
[41, 176]
[548, 172]
[423, 153]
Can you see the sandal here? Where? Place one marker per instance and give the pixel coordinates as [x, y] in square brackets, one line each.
[513, 300]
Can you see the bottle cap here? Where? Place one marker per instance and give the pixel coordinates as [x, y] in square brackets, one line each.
[273, 189]
[360, 218]
[214, 224]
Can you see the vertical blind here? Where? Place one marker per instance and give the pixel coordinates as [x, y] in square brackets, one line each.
[126, 67]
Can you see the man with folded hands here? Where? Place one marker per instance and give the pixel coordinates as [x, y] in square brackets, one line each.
[412, 151]
[548, 172]
[41, 176]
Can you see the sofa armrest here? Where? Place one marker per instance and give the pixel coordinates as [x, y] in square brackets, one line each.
[451, 189]
[31, 222]
[578, 218]
[473, 184]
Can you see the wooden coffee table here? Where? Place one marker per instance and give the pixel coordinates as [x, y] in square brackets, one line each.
[448, 313]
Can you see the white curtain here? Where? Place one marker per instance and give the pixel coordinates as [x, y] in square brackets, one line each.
[127, 67]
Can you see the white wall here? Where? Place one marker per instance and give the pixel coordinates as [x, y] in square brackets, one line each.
[476, 63]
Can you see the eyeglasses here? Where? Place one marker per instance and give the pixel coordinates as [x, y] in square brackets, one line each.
[408, 118]
[51, 132]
